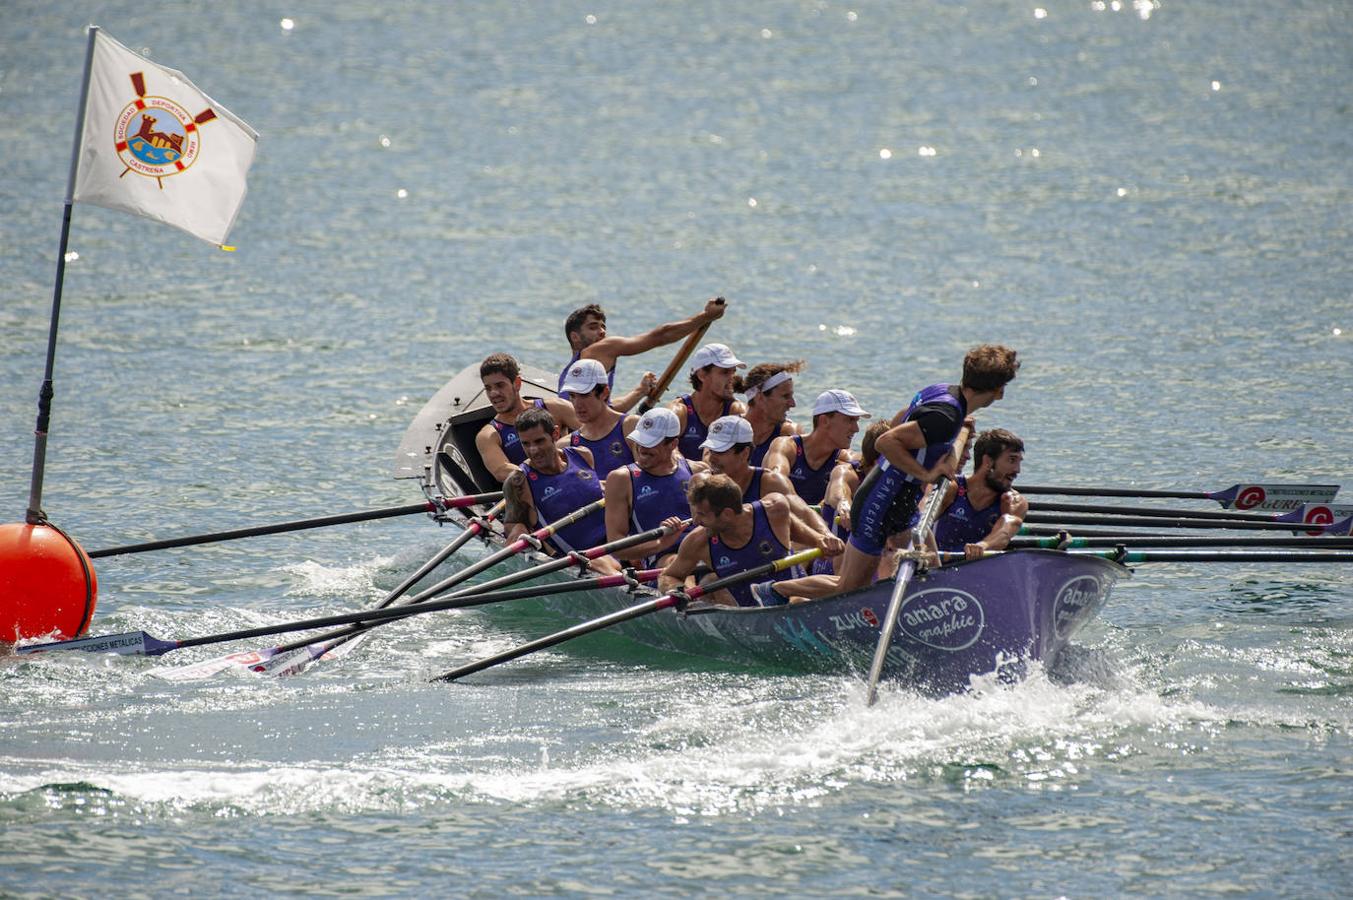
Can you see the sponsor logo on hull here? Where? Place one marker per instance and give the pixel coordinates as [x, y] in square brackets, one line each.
[943, 618]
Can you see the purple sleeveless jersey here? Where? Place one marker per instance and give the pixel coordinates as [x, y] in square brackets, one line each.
[961, 524]
[762, 547]
[555, 496]
[609, 452]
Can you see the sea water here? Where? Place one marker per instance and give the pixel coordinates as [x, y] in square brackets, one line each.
[1150, 200]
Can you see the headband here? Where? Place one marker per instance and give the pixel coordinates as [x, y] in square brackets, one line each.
[769, 384]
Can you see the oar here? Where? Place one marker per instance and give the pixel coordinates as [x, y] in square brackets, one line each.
[1138, 540]
[674, 367]
[211, 667]
[390, 512]
[140, 643]
[1241, 496]
[904, 573]
[1063, 521]
[1151, 512]
[1183, 556]
[678, 598]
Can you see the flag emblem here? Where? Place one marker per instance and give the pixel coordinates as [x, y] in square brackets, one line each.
[156, 137]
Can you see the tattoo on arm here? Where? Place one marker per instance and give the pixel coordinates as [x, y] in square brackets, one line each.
[518, 503]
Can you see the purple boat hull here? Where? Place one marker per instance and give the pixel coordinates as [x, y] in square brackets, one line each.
[992, 615]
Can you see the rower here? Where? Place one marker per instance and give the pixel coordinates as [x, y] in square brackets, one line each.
[769, 389]
[549, 485]
[650, 491]
[731, 536]
[712, 369]
[841, 489]
[497, 442]
[585, 329]
[809, 461]
[917, 452]
[984, 512]
[601, 429]
[728, 449]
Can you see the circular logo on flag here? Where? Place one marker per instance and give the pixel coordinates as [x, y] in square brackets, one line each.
[156, 137]
[1249, 498]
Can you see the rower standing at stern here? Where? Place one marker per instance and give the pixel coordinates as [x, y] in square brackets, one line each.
[918, 451]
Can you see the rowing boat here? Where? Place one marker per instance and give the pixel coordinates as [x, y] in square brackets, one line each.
[973, 618]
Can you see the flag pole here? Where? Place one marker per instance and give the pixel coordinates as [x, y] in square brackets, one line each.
[35, 514]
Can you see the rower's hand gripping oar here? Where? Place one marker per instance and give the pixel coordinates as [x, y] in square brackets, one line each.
[904, 573]
[431, 506]
[666, 601]
[674, 367]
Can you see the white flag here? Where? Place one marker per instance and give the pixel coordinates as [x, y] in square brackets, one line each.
[155, 145]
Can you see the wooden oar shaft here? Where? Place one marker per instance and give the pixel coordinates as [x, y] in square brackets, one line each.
[298, 525]
[674, 367]
[1147, 522]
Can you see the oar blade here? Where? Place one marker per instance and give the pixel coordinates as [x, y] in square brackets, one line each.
[128, 643]
[1273, 497]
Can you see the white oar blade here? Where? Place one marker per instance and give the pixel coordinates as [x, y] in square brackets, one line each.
[129, 643]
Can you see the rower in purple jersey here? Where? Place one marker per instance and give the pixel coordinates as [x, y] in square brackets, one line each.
[727, 450]
[651, 491]
[600, 428]
[551, 484]
[809, 461]
[918, 451]
[498, 443]
[769, 389]
[713, 367]
[732, 536]
[841, 490]
[585, 329]
[984, 512]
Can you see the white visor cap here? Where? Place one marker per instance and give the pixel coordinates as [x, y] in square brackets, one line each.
[655, 426]
[726, 431]
[715, 355]
[838, 402]
[582, 377]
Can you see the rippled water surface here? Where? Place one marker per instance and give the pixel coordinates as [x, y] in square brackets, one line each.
[1150, 200]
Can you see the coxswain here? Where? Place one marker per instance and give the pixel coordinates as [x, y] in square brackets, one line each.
[769, 389]
[731, 536]
[585, 329]
[808, 460]
[984, 512]
[552, 483]
[712, 369]
[917, 452]
[497, 442]
[650, 491]
[601, 429]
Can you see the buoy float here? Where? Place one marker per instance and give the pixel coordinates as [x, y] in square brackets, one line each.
[47, 584]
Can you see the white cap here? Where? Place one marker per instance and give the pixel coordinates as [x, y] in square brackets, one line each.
[726, 431]
[582, 376]
[838, 402]
[655, 426]
[716, 355]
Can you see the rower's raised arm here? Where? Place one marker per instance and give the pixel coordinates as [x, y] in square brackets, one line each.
[612, 346]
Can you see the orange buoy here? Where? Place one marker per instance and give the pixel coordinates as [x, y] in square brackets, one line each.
[47, 583]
